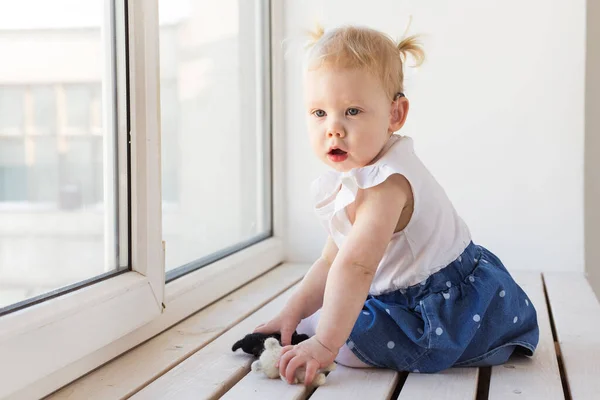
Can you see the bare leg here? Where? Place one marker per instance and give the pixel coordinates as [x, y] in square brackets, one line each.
[345, 357]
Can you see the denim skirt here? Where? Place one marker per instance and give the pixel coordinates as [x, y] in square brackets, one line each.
[470, 313]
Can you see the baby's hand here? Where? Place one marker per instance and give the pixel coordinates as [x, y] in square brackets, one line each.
[310, 354]
[284, 324]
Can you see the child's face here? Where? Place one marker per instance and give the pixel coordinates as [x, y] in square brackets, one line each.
[350, 117]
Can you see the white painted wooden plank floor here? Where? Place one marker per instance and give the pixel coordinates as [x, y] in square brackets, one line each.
[174, 365]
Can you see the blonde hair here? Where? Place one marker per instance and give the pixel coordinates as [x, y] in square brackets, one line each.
[359, 47]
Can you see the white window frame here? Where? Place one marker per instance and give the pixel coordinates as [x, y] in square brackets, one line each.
[48, 345]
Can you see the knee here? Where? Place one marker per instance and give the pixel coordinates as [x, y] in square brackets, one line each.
[348, 359]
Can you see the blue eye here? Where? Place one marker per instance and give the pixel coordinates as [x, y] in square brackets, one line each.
[319, 113]
[353, 111]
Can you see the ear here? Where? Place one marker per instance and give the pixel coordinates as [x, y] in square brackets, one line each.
[256, 366]
[398, 113]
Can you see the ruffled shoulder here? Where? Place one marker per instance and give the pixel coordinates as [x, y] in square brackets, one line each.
[362, 178]
[371, 175]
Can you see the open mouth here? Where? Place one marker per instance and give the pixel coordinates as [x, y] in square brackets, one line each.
[337, 155]
[337, 151]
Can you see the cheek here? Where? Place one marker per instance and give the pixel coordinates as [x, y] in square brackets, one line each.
[314, 128]
[314, 135]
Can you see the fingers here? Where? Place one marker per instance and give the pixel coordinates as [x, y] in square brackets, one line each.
[266, 328]
[286, 349]
[292, 366]
[283, 351]
[311, 370]
[284, 361]
[286, 336]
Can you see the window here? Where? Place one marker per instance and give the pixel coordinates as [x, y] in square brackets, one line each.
[141, 128]
[61, 165]
[52, 172]
[63, 205]
[53, 168]
[215, 130]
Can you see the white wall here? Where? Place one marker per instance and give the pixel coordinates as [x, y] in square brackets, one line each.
[497, 113]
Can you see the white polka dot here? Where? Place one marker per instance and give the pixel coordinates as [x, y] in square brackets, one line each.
[527, 302]
[502, 293]
[439, 331]
[366, 313]
[416, 371]
[446, 295]
[515, 319]
[476, 318]
[387, 310]
[350, 345]
[472, 278]
[475, 260]
[420, 331]
[391, 345]
[459, 258]
[448, 284]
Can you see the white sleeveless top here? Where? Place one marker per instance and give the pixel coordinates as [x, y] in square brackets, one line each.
[435, 235]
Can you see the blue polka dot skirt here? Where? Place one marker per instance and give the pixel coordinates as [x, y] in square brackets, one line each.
[470, 313]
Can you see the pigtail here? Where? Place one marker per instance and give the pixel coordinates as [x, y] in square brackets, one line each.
[316, 34]
[410, 45]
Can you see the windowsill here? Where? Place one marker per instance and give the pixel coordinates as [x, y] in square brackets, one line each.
[220, 322]
[33, 375]
[32, 337]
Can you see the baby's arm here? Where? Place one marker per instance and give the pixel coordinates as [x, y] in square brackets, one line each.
[354, 267]
[308, 298]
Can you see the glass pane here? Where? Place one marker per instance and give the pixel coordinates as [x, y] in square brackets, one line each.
[13, 173]
[12, 109]
[215, 129]
[43, 174]
[78, 106]
[44, 109]
[53, 219]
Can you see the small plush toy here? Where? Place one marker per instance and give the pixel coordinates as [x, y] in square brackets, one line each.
[254, 343]
[268, 359]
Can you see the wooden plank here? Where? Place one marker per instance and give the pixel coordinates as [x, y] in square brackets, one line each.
[130, 372]
[357, 383]
[537, 377]
[256, 386]
[454, 383]
[212, 371]
[576, 313]
[343, 383]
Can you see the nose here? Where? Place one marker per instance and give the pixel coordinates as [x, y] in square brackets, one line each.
[336, 130]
